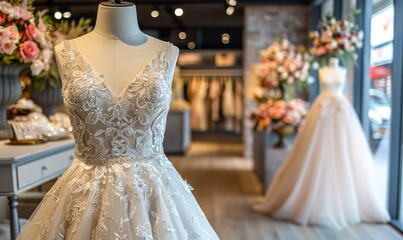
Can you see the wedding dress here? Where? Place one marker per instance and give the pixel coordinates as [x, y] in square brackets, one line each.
[121, 185]
[327, 178]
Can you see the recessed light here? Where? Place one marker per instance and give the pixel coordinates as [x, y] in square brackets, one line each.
[191, 45]
[182, 35]
[155, 13]
[225, 38]
[58, 15]
[67, 14]
[232, 2]
[179, 12]
[230, 10]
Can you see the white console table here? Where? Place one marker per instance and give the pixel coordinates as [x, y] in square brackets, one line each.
[24, 167]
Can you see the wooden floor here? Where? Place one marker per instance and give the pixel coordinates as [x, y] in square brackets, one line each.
[225, 187]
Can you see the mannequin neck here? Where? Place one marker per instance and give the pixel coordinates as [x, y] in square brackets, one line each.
[119, 23]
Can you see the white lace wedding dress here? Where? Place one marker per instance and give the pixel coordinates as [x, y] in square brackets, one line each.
[327, 178]
[121, 185]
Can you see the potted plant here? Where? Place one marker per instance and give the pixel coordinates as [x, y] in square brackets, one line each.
[281, 117]
[283, 76]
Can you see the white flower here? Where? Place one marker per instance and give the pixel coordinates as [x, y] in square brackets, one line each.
[311, 80]
[315, 65]
[37, 67]
[360, 34]
[297, 74]
[47, 55]
[334, 44]
[259, 92]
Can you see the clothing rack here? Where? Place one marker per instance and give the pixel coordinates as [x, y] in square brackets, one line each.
[213, 73]
[216, 99]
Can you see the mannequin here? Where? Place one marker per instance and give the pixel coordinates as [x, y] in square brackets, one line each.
[117, 48]
[333, 77]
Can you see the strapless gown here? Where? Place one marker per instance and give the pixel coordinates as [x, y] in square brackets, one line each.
[327, 178]
[121, 185]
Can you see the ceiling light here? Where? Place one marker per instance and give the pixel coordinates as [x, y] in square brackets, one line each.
[155, 13]
[179, 12]
[225, 38]
[230, 10]
[58, 15]
[67, 14]
[182, 35]
[231, 2]
[191, 45]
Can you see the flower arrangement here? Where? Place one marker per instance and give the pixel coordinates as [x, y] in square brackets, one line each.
[277, 114]
[284, 66]
[284, 72]
[336, 39]
[24, 39]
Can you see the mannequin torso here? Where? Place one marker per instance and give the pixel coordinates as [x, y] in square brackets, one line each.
[117, 48]
[332, 78]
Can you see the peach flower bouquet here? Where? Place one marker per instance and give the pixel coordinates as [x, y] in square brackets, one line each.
[23, 38]
[275, 115]
[283, 65]
[336, 39]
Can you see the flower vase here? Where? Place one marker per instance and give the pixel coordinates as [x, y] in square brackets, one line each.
[282, 134]
[49, 98]
[10, 92]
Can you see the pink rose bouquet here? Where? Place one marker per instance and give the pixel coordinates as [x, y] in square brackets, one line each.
[283, 65]
[24, 39]
[274, 115]
[335, 39]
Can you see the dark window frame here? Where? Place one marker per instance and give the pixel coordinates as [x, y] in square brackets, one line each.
[395, 164]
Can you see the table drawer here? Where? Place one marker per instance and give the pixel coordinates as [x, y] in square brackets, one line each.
[32, 172]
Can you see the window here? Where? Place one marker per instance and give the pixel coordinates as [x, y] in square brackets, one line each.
[379, 102]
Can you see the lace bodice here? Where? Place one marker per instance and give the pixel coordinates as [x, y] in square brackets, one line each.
[108, 126]
[332, 80]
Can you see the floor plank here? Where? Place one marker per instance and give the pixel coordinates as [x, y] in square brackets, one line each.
[225, 187]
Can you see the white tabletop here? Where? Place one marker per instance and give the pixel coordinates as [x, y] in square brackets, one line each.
[23, 153]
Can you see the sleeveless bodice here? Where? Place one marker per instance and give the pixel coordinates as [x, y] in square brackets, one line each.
[106, 126]
[332, 80]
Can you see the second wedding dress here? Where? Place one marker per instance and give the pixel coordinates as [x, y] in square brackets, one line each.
[327, 178]
[121, 185]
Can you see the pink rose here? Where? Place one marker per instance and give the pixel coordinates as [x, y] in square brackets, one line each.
[8, 47]
[30, 31]
[29, 51]
[13, 33]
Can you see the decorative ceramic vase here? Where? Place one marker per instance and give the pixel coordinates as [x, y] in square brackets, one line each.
[10, 92]
[49, 98]
[282, 134]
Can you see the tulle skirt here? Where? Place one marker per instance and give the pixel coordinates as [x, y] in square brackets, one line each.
[327, 178]
[119, 200]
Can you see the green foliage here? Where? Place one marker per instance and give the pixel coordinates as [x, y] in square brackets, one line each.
[345, 58]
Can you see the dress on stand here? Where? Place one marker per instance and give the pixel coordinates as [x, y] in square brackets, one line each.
[327, 178]
[121, 185]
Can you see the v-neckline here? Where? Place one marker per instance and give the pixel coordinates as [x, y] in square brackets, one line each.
[140, 72]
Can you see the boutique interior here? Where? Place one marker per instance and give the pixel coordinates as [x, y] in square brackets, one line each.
[283, 117]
